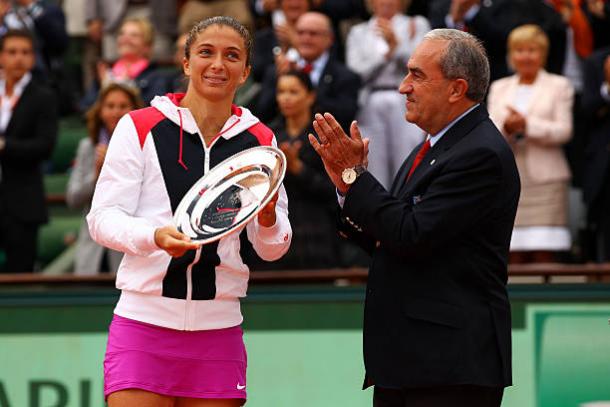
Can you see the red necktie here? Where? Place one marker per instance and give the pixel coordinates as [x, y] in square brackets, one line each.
[419, 157]
[307, 68]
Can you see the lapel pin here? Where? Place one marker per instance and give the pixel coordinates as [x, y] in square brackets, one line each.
[433, 161]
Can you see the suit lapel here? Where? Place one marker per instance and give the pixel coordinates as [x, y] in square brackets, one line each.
[448, 140]
[401, 176]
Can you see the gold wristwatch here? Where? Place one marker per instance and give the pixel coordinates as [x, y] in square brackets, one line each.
[349, 175]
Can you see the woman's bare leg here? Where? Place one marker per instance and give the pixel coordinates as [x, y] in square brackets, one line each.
[137, 397]
[191, 402]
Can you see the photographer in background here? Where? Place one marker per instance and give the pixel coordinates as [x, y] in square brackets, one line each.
[336, 86]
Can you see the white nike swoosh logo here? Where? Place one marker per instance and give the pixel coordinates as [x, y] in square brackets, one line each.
[240, 387]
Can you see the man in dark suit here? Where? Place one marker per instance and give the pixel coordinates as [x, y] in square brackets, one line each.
[336, 86]
[596, 103]
[28, 129]
[437, 323]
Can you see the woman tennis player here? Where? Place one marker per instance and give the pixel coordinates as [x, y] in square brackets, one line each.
[176, 338]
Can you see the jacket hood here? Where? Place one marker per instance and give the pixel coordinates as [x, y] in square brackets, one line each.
[169, 105]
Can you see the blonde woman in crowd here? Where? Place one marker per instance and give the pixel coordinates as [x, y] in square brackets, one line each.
[533, 109]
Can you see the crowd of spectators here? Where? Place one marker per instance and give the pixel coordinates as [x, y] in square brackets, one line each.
[550, 96]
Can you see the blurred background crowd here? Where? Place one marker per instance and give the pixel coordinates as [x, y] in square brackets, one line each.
[70, 69]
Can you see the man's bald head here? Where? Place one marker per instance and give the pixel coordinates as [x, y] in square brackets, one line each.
[314, 35]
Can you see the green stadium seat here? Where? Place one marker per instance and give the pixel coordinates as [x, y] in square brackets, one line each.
[71, 131]
[56, 236]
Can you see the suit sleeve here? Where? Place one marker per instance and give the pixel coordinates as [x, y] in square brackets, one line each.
[593, 104]
[32, 150]
[459, 196]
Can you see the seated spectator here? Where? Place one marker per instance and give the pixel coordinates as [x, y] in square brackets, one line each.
[596, 103]
[279, 37]
[378, 51]
[134, 66]
[533, 109]
[114, 101]
[336, 85]
[311, 195]
[28, 130]
[105, 17]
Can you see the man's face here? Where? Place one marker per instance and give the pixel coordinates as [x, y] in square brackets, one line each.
[314, 36]
[426, 89]
[17, 57]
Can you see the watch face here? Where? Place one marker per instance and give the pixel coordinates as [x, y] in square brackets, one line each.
[348, 175]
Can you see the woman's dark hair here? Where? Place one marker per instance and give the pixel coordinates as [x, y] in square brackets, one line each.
[301, 76]
[221, 21]
[94, 122]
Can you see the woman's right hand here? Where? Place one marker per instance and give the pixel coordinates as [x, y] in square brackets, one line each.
[173, 242]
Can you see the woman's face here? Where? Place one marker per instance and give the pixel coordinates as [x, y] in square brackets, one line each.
[131, 42]
[526, 58]
[114, 106]
[292, 96]
[217, 63]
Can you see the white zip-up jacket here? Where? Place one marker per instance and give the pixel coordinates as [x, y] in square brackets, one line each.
[155, 155]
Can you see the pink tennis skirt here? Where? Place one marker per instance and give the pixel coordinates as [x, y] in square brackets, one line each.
[196, 364]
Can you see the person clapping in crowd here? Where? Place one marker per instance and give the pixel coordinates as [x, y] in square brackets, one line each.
[378, 51]
[134, 65]
[311, 194]
[533, 109]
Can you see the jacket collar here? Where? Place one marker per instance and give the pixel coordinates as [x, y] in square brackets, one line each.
[169, 105]
[456, 133]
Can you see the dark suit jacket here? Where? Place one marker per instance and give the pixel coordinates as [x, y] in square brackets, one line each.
[30, 137]
[337, 93]
[437, 310]
[598, 141]
[264, 40]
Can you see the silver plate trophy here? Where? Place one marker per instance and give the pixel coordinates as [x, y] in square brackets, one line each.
[230, 194]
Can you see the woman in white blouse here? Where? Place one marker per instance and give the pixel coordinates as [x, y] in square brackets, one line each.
[533, 109]
[378, 50]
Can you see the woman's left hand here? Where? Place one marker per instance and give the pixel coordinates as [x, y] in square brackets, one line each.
[266, 217]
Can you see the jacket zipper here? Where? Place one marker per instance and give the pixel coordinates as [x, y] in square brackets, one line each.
[189, 270]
